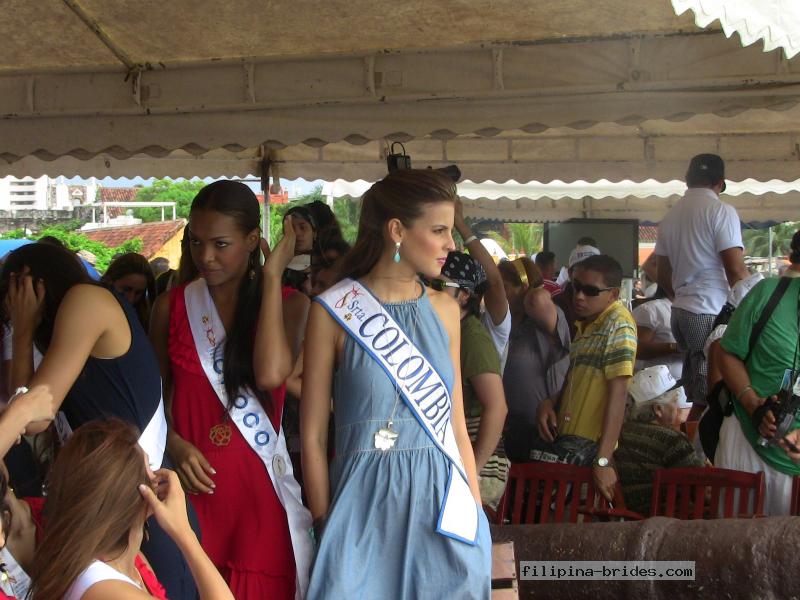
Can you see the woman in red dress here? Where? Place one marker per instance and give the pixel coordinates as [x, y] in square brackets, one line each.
[244, 525]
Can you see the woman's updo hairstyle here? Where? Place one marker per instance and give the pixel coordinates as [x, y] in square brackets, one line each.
[794, 255]
[400, 195]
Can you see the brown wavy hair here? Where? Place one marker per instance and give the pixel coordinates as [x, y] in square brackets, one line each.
[400, 195]
[93, 503]
[134, 264]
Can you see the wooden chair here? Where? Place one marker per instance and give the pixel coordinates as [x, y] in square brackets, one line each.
[707, 493]
[556, 493]
[504, 572]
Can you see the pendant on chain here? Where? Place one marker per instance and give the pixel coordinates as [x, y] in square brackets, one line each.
[386, 437]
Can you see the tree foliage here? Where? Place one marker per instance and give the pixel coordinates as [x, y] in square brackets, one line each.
[76, 241]
[166, 190]
[756, 241]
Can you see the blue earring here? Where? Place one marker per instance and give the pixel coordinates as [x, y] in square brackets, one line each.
[397, 252]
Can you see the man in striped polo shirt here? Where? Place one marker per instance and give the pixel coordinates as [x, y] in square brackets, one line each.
[602, 355]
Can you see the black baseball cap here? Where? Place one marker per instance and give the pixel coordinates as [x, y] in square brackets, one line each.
[706, 169]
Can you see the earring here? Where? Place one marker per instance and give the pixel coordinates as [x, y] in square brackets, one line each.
[397, 252]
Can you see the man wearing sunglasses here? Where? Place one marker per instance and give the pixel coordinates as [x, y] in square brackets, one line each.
[602, 355]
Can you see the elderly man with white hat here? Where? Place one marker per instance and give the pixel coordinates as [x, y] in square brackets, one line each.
[651, 438]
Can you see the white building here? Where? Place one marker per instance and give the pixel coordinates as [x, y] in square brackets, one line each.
[44, 193]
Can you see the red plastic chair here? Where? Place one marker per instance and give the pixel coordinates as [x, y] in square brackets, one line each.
[707, 493]
[556, 493]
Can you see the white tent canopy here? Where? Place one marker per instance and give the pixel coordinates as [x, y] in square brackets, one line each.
[578, 89]
[775, 22]
[756, 202]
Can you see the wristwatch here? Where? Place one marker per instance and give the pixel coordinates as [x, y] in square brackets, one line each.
[601, 461]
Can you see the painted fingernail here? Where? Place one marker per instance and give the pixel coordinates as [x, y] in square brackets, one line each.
[211, 491]
[213, 471]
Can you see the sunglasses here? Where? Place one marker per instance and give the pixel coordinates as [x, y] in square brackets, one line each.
[588, 290]
[440, 284]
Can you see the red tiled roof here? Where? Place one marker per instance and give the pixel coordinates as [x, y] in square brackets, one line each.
[153, 235]
[121, 194]
[648, 234]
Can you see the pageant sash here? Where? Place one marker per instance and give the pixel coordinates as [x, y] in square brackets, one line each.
[152, 440]
[253, 423]
[424, 392]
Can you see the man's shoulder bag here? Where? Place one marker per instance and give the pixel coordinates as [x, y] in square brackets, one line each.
[720, 398]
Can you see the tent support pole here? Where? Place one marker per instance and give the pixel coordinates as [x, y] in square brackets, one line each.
[770, 251]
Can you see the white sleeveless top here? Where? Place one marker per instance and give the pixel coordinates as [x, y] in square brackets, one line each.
[95, 573]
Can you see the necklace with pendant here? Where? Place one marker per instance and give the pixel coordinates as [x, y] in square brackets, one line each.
[386, 437]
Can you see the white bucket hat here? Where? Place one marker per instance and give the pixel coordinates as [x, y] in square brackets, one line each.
[580, 253]
[656, 383]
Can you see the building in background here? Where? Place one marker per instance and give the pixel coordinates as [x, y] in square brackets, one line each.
[44, 194]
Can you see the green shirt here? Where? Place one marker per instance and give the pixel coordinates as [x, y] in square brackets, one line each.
[478, 355]
[773, 354]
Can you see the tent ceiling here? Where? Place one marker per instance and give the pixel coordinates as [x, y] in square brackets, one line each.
[53, 34]
[758, 144]
[507, 89]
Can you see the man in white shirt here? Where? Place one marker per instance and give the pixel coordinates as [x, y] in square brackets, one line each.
[700, 256]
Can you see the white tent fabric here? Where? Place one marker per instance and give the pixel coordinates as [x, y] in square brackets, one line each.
[756, 202]
[775, 22]
[507, 89]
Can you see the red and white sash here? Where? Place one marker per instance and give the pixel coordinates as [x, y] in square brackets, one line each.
[253, 423]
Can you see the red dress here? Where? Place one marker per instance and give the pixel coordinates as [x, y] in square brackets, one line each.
[244, 529]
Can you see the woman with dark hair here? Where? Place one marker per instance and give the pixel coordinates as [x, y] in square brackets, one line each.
[132, 278]
[656, 343]
[100, 495]
[481, 378]
[398, 514]
[97, 363]
[224, 356]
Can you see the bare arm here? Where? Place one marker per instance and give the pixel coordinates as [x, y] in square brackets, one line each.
[319, 357]
[664, 275]
[272, 356]
[737, 379]
[88, 320]
[489, 390]
[646, 348]
[495, 296]
[733, 262]
[539, 307]
[605, 478]
[448, 311]
[25, 302]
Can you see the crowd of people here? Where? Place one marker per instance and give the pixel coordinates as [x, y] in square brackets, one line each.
[313, 420]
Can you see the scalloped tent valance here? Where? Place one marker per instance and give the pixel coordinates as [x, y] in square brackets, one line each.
[776, 23]
[584, 89]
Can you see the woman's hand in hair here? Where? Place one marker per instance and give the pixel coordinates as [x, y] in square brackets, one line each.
[168, 503]
[192, 468]
[25, 301]
[275, 262]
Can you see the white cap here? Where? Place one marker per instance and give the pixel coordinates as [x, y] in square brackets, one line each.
[742, 287]
[580, 253]
[715, 335]
[656, 383]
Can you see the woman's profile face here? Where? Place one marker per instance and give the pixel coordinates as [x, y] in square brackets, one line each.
[132, 287]
[220, 249]
[429, 239]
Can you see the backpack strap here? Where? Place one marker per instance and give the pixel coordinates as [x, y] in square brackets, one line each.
[769, 308]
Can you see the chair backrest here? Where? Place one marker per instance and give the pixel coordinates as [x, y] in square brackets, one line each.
[707, 493]
[544, 493]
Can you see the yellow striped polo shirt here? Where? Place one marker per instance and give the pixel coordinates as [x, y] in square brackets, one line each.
[602, 350]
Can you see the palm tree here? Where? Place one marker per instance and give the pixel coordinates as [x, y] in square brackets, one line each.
[756, 241]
